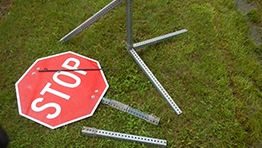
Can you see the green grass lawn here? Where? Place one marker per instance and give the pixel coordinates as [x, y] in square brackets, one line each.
[213, 72]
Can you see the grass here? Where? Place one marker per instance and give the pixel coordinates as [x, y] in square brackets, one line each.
[212, 71]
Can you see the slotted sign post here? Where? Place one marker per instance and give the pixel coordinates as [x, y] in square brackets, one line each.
[54, 99]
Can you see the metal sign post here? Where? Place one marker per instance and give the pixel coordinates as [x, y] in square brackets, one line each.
[125, 108]
[89, 131]
[91, 20]
[132, 47]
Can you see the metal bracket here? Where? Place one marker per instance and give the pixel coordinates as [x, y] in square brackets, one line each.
[125, 108]
[89, 131]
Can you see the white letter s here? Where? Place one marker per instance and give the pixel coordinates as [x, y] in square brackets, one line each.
[41, 108]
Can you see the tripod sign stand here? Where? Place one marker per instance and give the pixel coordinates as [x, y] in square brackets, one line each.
[131, 48]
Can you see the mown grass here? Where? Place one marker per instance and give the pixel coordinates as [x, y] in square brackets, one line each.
[211, 71]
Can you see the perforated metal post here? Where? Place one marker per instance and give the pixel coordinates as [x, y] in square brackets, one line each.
[89, 131]
[157, 39]
[154, 81]
[125, 108]
[91, 20]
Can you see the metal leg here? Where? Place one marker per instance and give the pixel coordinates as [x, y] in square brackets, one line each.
[154, 80]
[91, 20]
[157, 39]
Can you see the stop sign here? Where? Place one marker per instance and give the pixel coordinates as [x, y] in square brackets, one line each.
[54, 99]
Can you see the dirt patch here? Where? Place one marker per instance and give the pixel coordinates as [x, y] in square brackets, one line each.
[4, 4]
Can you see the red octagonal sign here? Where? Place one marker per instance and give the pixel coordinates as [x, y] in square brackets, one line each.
[54, 99]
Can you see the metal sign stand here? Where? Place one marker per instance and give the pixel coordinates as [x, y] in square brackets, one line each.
[130, 46]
